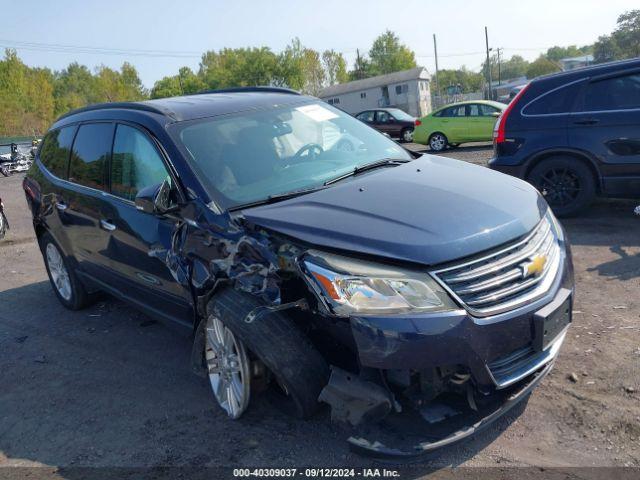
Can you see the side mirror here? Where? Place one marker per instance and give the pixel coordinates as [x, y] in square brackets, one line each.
[155, 198]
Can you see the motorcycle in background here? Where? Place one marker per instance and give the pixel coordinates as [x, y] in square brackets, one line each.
[18, 159]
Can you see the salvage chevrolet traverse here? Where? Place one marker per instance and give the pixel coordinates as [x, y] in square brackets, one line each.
[309, 256]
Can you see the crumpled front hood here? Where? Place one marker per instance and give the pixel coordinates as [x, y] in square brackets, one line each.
[429, 211]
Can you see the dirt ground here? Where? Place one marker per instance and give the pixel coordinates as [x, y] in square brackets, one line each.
[109, 387]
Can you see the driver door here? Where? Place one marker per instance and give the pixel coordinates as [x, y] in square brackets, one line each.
[139, 240]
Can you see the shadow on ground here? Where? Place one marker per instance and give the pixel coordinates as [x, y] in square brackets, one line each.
[107, 387]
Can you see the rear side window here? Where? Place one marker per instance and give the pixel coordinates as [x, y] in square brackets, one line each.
[135, 164]
[554, 102]
[473, 110]
[383, 117]
[366, 117]
[55, 150]
[487, 110]
[619, 93]
[458, 111]
[90, 155]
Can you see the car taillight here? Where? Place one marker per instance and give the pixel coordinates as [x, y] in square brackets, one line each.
[418, 123]
[499, 133]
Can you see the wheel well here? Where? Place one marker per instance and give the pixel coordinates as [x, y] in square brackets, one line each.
[577, 156]
[436, 133]
[40, 230]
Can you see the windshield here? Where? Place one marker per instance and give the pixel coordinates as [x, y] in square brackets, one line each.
[250, 156]
[400, 114]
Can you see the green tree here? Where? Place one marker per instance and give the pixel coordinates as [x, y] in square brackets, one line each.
[388, 55]
[467, 80]
[515, 67]
[558, 53]
[300, 68]
[238, 67]
[133, 88]
[73, 88]
[26, 97]
[606, 49]
[166, 87]
[185, 83]
[541, 66]
[627, 34]
[361, 68]
[335, 67]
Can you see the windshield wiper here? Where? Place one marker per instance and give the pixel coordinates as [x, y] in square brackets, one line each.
[277, 198]
[385, 162]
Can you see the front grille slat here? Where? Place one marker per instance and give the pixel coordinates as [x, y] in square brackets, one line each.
[531, 245]
[500, 280]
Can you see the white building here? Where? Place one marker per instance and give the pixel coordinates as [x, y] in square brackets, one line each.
[408, 90]
[576, 62]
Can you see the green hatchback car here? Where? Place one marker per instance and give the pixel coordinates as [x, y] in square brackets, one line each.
[458, 123]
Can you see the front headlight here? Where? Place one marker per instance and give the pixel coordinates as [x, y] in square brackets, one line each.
[349, 286]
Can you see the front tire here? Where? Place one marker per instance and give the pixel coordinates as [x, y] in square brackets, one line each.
[66, 284]
[438, 142]
[566, 183]
[277, 342]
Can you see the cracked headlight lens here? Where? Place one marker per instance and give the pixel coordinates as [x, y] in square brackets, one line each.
[350, 286]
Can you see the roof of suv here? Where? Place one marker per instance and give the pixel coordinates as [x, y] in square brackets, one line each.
[592, 70]
[206, 104]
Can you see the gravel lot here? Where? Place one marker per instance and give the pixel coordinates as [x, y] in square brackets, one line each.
[109, 387]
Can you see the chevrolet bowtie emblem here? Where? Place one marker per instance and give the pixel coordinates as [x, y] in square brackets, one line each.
[535, 267]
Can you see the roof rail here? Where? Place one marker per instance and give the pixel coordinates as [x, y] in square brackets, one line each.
[252, 89]
[126, 105]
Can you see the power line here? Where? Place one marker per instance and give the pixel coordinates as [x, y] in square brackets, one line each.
[69, 48]
[65, 48]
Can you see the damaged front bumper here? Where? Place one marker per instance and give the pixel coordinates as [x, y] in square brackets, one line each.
[492, 364]
[474, 424]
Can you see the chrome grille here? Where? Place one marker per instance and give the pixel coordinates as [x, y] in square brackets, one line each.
[500, 281]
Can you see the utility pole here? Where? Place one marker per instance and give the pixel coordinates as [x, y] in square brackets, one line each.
[499, 73]
[359, 65]
[435, 51]
[486, 37]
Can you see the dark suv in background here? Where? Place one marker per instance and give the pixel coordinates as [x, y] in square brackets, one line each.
[575, 135]
[394, 122]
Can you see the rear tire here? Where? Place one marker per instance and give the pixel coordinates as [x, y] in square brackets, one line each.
[566, 183]
[64, 281]
[438, 142]
[279, 344]
[407, 135]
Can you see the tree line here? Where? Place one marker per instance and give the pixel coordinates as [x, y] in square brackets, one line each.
[31, 98]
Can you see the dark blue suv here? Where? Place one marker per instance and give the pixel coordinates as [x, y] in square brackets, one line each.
[575, 135]
[309, 256]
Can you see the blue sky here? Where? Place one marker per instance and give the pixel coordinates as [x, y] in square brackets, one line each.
[179, 31]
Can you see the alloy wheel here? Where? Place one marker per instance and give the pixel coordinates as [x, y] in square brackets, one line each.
[228, 367]
[560, 186]
[58, 271]
[437, 142]
[407, 136]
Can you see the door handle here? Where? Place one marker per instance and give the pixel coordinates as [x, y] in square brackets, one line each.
[61, 206]
[109, 227]
[587, 121]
